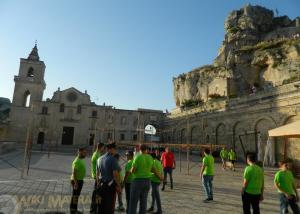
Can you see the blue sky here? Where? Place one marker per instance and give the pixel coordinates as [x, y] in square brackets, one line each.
[123, 52]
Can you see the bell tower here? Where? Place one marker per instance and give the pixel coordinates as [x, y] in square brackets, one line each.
[29, 83]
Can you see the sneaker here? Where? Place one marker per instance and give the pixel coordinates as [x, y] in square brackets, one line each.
[210, 199]
[206, 200]
[151, 209]
[121, 208]
[163, 188]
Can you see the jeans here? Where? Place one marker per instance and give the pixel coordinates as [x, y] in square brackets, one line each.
[156, 196]
[120, 201]
[75, 196]
[250, 200]
[207, 184]
[93, 208]
[139, 192]
[285, 202]
[168, 170]
[127, 194]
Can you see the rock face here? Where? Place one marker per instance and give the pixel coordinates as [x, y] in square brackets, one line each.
[4, 108]
[258, 50]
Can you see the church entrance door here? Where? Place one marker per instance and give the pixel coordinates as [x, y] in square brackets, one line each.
[67, 135]
[41, 138]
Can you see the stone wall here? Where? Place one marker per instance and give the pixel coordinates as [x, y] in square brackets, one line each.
[239, 118]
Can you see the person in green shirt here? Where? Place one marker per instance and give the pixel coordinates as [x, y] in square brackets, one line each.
[207, 174]
[223, 156]
[77, 177]
[285, 184]
[142, 168]
[232, 158]
[155, 182]
[96, 155]
[253, 186]
[128, 178]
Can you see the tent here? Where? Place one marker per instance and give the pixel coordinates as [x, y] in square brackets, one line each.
[291, 130]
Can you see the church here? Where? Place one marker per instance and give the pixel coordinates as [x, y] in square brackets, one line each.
[69, 117]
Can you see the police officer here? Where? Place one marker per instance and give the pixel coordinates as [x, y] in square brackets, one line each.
[108, 180]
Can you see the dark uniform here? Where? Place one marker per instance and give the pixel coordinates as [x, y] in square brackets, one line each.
[107, 186]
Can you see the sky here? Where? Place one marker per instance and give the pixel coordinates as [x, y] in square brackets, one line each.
[123, 52]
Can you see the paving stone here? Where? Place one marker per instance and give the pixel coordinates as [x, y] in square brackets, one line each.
[53, 186]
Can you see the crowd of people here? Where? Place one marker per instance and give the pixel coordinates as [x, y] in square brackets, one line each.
[146, 169]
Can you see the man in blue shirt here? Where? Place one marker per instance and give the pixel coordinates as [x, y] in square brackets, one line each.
[108, 179]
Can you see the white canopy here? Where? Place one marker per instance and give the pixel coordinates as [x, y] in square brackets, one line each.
[291, 130]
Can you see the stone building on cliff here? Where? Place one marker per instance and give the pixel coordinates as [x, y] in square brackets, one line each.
[252, 86]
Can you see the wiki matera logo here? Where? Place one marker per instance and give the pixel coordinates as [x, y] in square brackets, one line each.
[8, 204]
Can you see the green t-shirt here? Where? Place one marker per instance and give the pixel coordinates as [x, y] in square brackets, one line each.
[285, 181]
[158, 167]
[223, 154]
[208, 161]
[79, 165]
[143, 164]
[231, 155]
[254, 175]
[94, 159]
[127, 169]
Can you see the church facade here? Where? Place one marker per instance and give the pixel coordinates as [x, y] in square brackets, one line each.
[69, 117]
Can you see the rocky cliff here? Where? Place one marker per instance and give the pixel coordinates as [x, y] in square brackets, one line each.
[259, 51]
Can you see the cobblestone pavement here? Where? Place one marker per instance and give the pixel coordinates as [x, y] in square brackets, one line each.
[47, 188]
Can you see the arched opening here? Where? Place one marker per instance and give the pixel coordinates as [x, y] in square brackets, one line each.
[174, 137]
[261, 128]
[91, 139]
[239, 133]
[183, 136]
[27, 96]
[30, 72]
[41, 138]
[220, 133]
[62, 108]
[79, 109]
[195, 135]
[44, 110]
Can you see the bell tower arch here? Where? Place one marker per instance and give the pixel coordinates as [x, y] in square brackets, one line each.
[29, 83]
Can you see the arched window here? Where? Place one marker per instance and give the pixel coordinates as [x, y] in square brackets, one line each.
[26, 102]
[94, 113]
[45, 110]
[79, 109]
[62, 108]
[30, 72]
